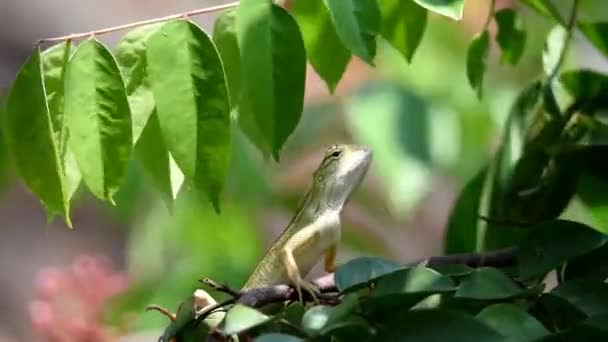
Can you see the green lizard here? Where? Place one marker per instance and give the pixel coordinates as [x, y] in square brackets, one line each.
[314, 231]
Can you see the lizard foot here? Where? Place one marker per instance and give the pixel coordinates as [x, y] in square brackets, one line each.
[308, 287]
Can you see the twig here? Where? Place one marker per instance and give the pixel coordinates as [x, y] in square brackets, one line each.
[139, 23]
[490, 14]
[569, 28]
[220, 287]
[162, 310]
[497, 258]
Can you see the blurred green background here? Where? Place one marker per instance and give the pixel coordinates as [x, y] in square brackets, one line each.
[428, 131]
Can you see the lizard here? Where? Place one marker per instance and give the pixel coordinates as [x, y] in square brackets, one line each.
[314, 231]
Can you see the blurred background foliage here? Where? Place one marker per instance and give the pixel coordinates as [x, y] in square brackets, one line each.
[429, 132]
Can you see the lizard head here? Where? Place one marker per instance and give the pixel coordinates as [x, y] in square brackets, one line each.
[340, 173]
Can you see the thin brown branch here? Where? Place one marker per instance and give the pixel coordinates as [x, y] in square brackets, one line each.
[164, 311]
[139, 23]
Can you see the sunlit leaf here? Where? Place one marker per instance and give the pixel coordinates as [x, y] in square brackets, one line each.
[512, 322]
[449, 8]
[476, 61]
[224, 37]
[587, 87]
[192, 104]
[462, 225]
[357, 22]
[553, 48]
[511, 37]
[403, 25]
[28, 132]
[487, 283]
[324, 50]
[241, 318]
[273, 61]
[360, 271]
[554, 242]
[597, 33]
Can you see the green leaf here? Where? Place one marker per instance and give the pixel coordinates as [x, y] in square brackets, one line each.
[587, 87]
[357, 23]
[155, 160]
[54, 62]
[512, 322]
[590, 294]
[192, 104]
[592, 191]
[545, 8]
[449, 8]
[131, 57]
[555, 312]
[597, 33]
[553, 48]
[241, 318]
[552, 243]
[462, 225]
[511, 37]
[324, 50]
[321, 319]
[275, 337]
[476, 61]
[488, 283]
[273, 61]
[98, 118]
[436, 326]
[360, 271]
[403, 24]
[224, 37]
[452, 270]
[28, 132]
[591, 329]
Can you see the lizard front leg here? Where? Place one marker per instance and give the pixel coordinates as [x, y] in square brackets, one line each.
[300, 244]
[330, 259]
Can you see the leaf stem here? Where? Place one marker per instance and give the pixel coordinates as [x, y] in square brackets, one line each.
[569, 27]
[490, 15]
[139, 23]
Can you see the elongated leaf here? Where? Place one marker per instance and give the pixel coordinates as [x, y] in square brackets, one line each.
[192, 103]
[488, 283]
[324, 50]
[28, 132]
[550, 244]
[511, 36]
[359, 271]
[357, 23]
[54, 63]
[241, 318]
[512, 322]
[273, 61]
[590, 294]
[449, 8]
[476, 61]
[131, 57]
[593, 192]
[437, 326]
[98, 118]
[462, 225]
[545, 8]
[597, 33]
[403, 25]
[587, 87]
[224, 37]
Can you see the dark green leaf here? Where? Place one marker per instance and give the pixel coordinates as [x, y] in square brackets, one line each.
[324, 50]
[131, 57]
[487, 283]
[588, 88]
[593, 192]
[241, 318]
[545, 8]
[589, 294]
[449, 8]
[555, 312]
[592, 263]
[183, 325]
[452, 270]
[273, 61]
[357, 22]
[476, 61]
[436, 326]
[360, 271]
[98, 118]
[54, 62]
[597, 33]
[462, 225]
[28, 132]
[224, 37]
[591, 329]
[275, 337]
[403, 24]
[552, 243]
[512, 322]
[511, 37]
[192, 103]
[322, 319]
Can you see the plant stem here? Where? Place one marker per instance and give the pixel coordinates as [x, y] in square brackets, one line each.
[567, 39]
[139, 23]
[490, 15]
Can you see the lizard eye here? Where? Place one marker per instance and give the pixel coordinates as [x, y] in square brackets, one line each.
[336, 154]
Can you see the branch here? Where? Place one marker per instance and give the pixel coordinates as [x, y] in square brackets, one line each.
[139, 23]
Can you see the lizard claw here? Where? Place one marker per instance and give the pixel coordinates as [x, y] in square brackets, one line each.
[308, 287]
